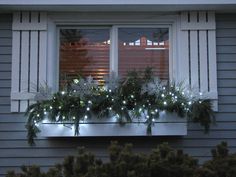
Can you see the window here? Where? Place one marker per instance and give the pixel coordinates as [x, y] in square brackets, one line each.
[87, 51]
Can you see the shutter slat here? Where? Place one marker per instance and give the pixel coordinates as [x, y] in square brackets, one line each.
[15, 69]
[24, 67]
[203, 61]
[42, 58]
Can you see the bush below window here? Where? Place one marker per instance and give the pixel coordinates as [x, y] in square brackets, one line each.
[161, 162]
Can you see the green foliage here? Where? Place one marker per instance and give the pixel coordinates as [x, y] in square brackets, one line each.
[162, 161]
[139, 95]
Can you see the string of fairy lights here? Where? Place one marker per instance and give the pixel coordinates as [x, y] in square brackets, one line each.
[133, 98]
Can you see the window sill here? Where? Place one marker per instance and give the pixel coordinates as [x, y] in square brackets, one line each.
[167, 125]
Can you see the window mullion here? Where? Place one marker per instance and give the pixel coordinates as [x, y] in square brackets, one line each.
[114, 50]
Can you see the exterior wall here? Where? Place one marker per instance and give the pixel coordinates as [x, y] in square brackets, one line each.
[14, 150]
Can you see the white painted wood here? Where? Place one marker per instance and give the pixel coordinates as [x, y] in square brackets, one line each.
[22, 95]
[114, 50]
[127, 2]
[33, 77]
[42, 58]
[201, 27]
[24, 68]
[194, 59]
[132, 129]
[167, 125]
[52, 56]
[184, 58]
[34, 24]
[212, 63]
[27, 60]
[15, 68]
[203, 61]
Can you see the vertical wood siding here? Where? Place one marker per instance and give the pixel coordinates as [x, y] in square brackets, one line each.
[14, 150]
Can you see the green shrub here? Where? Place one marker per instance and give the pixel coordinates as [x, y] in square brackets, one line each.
[163, 161]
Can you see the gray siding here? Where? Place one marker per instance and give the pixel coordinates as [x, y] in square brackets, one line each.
[14, 150]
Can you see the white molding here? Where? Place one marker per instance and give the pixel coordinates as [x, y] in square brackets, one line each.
[127, 2]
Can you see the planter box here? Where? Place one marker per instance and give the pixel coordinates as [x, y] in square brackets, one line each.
[167, 125]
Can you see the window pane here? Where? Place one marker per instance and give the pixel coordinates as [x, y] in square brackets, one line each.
[144, 47]
[84, 52]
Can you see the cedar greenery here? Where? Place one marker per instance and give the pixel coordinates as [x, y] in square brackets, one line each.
[162, 161]
[139, 95]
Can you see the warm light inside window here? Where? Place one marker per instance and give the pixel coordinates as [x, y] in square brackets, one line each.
[144, 47]
[84, 52]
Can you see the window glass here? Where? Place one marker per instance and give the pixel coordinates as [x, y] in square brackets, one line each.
[144, 47]
[83, 52]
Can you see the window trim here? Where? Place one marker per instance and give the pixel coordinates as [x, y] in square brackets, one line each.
[57, 22]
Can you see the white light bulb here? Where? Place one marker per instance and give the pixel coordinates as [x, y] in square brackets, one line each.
[85, 117]
[163, 88]
[59, 107]
[50, 107]
[140, 109]
[153, 120]
[89, 101]
[63, 92]
[189, 102]
[88, 109]
[162, 95]
[112, 99]
[165, 103]
[63, 117]
[144, 106]
[73, 117]
[107, 96]
[122, 108]
[76, 81]
[200, 93]
[132, 96]
[110, 108]
[124, 102]
[147, 116]
[110, 90]
[37, 115]
[45, 112]
[182, 93]
[156, 110]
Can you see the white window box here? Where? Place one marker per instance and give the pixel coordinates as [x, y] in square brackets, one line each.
[167, 125]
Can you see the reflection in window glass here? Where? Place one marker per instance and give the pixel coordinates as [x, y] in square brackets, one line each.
[144, 47]
[84, 52]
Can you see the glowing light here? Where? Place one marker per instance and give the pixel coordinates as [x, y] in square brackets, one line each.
[37, 115]
[156, 110]
[110, 108]
[124, 102]
[140, 109]
[162, 95]
[110, 90]
[107, 96]
[153, 120]
[89, 101]
[88, 109]
[59, 107]
[122, 108]
[45, 112]
[165, 103]
[147, 116]
[132, 96]
[163, 88]
[76, 81]
[85, 117]
[112, 99]
[50, 107]
[73, 117]
[190, 102]
[63, 92]
[200, 93]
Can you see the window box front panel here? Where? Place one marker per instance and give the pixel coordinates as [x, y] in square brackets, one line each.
[167, 125]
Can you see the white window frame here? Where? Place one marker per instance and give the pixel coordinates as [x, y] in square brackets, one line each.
[70, 21]
[113, 52]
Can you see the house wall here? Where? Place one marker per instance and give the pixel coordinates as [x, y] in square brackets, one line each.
[14, 150]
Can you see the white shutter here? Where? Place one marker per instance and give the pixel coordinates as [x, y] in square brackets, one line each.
[28, 57]
[197, 53]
